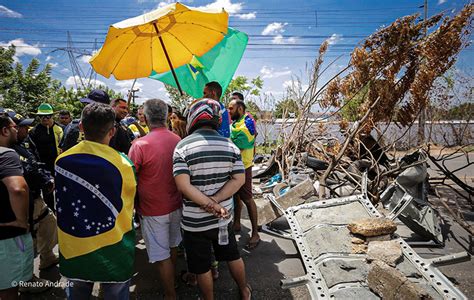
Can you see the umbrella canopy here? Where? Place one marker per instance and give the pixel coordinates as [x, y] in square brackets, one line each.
[219, 64]
[159, 41]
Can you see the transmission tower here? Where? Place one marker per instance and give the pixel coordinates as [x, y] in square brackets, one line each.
[82, 80]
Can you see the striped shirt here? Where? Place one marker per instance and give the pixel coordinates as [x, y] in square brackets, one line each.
[210, 160]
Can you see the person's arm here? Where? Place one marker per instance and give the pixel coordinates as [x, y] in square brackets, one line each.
[229, 188]
[18, 195]
[189, 191]
[237, 179]
[140, 129]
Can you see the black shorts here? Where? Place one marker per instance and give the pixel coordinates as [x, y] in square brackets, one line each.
[198, 249]
[245, 191]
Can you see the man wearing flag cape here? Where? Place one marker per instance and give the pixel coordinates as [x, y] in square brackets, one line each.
[96, 188]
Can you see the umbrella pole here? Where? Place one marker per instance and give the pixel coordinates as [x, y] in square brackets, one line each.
[168, 58]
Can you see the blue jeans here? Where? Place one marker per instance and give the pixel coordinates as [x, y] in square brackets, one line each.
[81, 290]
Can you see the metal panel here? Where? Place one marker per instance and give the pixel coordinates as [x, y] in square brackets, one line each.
[321, 236]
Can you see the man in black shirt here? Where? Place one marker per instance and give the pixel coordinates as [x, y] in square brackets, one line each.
[42, 220]
[122, 140]
[16, 245]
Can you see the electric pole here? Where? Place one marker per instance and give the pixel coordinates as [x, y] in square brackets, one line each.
[422, 117]
[132, 95]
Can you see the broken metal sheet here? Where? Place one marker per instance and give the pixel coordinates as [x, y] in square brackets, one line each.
[333, 272]
[406, 199]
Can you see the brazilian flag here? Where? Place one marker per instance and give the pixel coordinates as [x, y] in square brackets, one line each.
[95, 191]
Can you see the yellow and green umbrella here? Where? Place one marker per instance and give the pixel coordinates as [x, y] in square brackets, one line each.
[159, 41]
[218, 64]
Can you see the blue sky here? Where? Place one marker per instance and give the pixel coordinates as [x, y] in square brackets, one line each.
[284, 35]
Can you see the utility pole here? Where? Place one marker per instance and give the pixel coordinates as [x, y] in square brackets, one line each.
[422, 117]
[132, 95]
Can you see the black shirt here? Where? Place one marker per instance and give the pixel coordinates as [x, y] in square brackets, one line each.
[45, 141]
[122, 140]
[9, 166]
[35, 173]
[72, 135]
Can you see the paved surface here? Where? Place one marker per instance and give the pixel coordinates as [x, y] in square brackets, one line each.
[277, 258]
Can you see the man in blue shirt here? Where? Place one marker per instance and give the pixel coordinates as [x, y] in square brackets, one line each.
[213, 90]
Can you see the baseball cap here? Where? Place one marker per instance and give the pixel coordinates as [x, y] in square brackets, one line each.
[18, 119]
[96, 96]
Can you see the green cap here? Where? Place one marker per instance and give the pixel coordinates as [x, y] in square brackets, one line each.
[44, 109]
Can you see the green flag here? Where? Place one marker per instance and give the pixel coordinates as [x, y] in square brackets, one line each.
[218, 64]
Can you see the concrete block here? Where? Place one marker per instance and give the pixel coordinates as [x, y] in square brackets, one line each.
[390, 284]
[372, 227]
[293, 197]
[389, 252]
[266, 212]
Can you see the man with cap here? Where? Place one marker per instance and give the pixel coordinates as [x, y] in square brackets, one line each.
[46, 135]
[208, 170]
[41, 219]
[72, 133]
[39, 179]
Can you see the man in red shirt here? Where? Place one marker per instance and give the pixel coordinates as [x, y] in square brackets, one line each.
[159, 200]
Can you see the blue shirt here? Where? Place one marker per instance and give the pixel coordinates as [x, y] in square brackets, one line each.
[224, 129]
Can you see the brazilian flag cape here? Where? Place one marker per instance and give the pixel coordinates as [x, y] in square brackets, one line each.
[242, 133]
[95, 191]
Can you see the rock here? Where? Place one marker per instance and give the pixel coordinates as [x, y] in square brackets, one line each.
[386, 237]
[372, 227]
[389, 252]
[359, 248]
[390, 284]
[357, 240]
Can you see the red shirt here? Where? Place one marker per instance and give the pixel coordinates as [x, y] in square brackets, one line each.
[153, 159]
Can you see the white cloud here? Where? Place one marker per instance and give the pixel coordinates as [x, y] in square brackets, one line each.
[248, 16]
[48, 58]
[85, 58]
[22, 48]
[53, 65]
[277, 29]
[128, 84]
[279, 39]
[231, 8]
[64, 70]
[441, 1]
[335, 38]
[71, 82]
[274, 28]
[271, 73]
[8, 13]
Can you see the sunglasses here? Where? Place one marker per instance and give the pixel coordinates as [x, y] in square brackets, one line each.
[46, 117]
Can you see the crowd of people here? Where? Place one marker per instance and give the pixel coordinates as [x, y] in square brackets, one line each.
[87, 184]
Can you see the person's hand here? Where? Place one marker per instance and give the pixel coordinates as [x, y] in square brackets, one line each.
[17, 223]
[213, 198]
[216, 210]
[49, 187]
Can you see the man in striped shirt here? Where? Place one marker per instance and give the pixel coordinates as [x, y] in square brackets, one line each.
[208, 170]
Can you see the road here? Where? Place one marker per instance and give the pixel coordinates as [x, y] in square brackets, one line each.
[277, 258]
